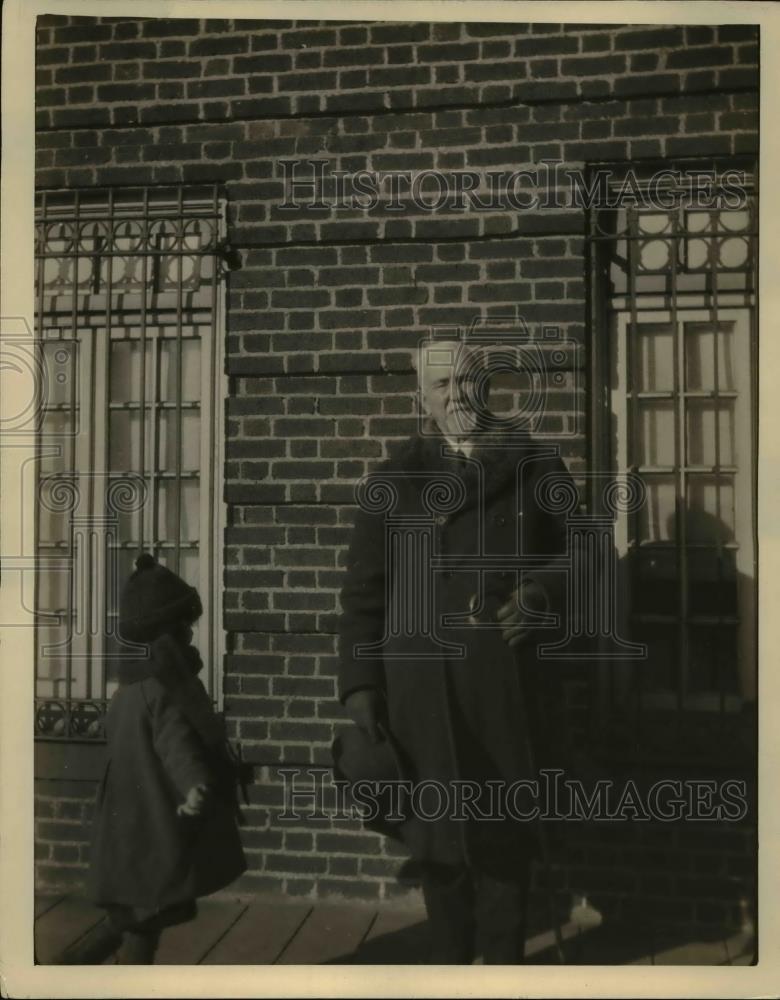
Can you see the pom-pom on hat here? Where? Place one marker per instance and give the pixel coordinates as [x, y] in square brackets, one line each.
[152, 598]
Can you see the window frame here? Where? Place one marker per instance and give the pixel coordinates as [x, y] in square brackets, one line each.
[618, 733]
[212, 515]
[744, 496]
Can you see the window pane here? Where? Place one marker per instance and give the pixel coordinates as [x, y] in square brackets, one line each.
[125, 450]
[187, 526]
[126, 370]
[712, 581]
[128, 520]
[700, 356]
[189, 566]
[56, 425]
[53, 526]
[53, 586]
[125, 441]
[701, 431]
[57, 441]
[190, 440]
[655, 579]
[51, 663]
[654, 358]
[655, 434]
[126, 365]
[54, 645]
[710, 507]
[190, 370]
[655, 520]
[121, 563]
[59, 498]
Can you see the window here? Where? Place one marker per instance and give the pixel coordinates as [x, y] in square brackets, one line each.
[128, 320]
[677, 287]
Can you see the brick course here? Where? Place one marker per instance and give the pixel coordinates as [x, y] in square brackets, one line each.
[323, 315]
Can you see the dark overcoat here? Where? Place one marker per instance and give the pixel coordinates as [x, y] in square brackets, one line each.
[461, 704]
[144, 855]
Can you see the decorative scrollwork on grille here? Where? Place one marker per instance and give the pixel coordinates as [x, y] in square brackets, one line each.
[58, 718]
[122, 253]
[87, 720]
[51, 718]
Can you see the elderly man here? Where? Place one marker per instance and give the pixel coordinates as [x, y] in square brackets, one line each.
[460, 698]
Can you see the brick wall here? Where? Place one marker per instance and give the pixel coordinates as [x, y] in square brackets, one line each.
[63, 811]
[328, 305]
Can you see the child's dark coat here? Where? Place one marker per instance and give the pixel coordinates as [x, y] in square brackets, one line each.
[144, 855]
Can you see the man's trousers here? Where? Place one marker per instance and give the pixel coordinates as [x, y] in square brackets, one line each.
[473, 912]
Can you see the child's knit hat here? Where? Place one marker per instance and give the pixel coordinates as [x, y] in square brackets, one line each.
[153, 597]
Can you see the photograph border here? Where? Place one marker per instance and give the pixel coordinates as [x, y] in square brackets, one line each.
[19, 977]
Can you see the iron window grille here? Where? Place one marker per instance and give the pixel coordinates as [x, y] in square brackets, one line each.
[130, 434]
[673, 363]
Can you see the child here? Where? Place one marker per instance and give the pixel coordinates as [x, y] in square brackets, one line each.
[165, 828]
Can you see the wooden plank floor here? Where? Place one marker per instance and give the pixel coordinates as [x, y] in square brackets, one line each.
[188, 944]
[266, 930]
[396, 935]
[332, 933]
[44, 903]
[62, 924]
[260, 935]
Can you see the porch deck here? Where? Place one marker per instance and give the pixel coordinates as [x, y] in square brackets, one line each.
[269, 930]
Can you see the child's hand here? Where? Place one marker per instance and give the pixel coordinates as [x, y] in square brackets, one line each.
[195, 802]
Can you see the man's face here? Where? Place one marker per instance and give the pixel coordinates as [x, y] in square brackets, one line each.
[449, 385]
